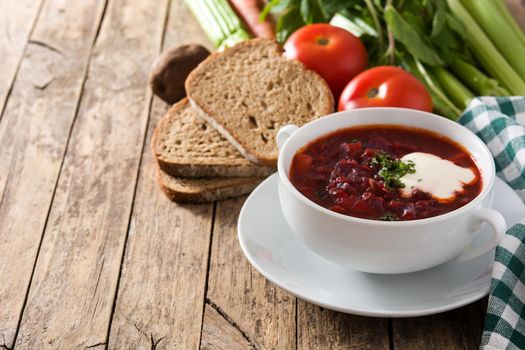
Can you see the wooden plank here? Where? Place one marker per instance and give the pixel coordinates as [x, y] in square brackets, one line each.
[33, 137]
[219, 334]
[263, 312]
[74, 285]
[319, 328]
[161, 290]
[16, 22]
[457, 329]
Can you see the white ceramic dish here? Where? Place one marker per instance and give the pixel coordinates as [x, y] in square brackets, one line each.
[379, 246]
[282, 258]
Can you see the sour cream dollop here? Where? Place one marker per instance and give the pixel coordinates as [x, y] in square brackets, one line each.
[439, 177]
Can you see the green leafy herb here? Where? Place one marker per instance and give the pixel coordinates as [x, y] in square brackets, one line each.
[312, 11]
[288, 23]
[457, 48]
[392, 170]
[456, 25]
[389, 217]
[438, 22]
[410, 38]
[275, 5]
[321, 193]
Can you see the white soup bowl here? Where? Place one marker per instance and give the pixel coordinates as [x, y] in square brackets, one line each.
[388, 247]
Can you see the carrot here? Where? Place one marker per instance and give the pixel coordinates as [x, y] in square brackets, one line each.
[248, 11]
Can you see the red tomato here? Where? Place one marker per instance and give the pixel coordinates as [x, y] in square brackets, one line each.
[333, 53]
[385, 86]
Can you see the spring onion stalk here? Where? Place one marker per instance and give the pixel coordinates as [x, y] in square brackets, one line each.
[346, 24]
[353, 24]
[491, 59]
[454, 89]
[442, 104]
[377, 24]
[219, 22]
[477, 81]
[495, 25]
[437, 89]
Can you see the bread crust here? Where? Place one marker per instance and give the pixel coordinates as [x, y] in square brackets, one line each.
[208, 115]
[209, 167]
[223, 189]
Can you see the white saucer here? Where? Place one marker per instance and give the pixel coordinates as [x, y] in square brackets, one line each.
[282, 258]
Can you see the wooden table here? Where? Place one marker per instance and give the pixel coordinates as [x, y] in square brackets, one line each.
[92, 254]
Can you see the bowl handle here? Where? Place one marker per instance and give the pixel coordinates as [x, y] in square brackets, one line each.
[499, 226]
[284, 133]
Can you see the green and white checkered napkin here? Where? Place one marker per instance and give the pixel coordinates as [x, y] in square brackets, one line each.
[500, 123]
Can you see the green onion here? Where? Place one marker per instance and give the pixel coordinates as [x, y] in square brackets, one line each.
[490, 58]
[497, 27]
[455, 90]
[389, 217]
[353, 24]
[441, 103]
[219, 21]
[477, 81]
[377, 24]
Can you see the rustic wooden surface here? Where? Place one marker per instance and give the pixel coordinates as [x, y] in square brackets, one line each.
[92, 255]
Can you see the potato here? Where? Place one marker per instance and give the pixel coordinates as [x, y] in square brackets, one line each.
[170, 70]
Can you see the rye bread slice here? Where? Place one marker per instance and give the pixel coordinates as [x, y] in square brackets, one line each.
[250, 90]
[203, 190]
[185, 145]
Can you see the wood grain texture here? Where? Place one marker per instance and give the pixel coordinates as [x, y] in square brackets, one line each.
[33, 137]
[457, 329]
[262, 311]
[219, 334]
[161, 290]
[74, 284]
[16, 21]
[319, 328]
[161, 295]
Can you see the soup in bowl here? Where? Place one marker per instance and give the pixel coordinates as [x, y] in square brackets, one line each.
[387, 190]
[386, 172]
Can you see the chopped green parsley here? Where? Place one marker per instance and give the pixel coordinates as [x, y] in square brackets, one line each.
[389, 217]
[392, 170]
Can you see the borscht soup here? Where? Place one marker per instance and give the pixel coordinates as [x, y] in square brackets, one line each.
[386, 172]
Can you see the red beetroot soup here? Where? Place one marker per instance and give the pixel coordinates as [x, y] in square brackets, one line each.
[344, 171]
